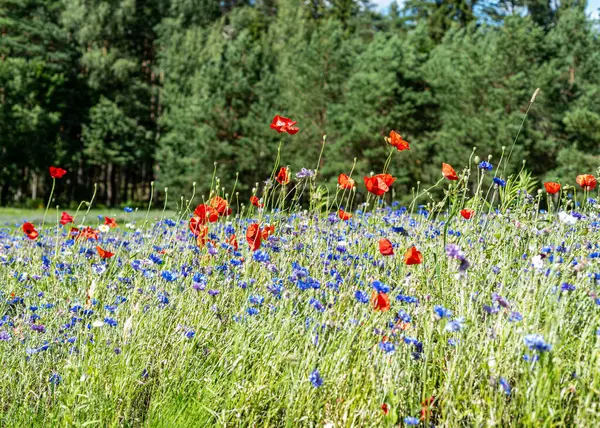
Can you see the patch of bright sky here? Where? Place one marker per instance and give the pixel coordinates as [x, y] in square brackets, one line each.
[593, 6]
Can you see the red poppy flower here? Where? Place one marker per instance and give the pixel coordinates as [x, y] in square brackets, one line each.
[344, 215]
[233, 242]
[89, 233]
[379, 184]
[195, 225]
[426, 407]
[201, 233]
[283, 176]
[398, 142]
[587, 181]
[267, 231]
[65, 218]
[206, 213]
[283, 124]
[253, 236]
[345, 182]
[57, 172]
[73, 231]
[29, 230]
[448, 172]
[380, 301]
[110, 222]
[413, 256]
[552, 187]
[385, 409]
[467, 213]
[387, 179]
[256, 202]
[103, 253]
[385, 247]
[221, 205]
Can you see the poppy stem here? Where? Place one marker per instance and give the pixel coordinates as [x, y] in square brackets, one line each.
[412, 204]
[48, 204]
[90, 203]
[149, 203]
[388, 160]
[320, 155]
[517, 136]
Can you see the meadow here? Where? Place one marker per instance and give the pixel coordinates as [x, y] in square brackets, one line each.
[477, 307]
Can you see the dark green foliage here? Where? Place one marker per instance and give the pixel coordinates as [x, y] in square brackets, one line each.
[122, 92]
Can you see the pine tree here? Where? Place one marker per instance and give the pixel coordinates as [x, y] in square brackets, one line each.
[36, 87]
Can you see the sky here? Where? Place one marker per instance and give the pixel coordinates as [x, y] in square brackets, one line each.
[593, 6]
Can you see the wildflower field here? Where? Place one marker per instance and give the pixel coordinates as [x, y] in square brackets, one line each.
[306, 308]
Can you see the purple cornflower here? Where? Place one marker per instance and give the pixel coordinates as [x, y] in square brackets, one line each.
[453, 251]
[305, 173]
[39, 328]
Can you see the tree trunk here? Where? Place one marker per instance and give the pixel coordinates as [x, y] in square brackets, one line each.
[34, 184]
[109, 183]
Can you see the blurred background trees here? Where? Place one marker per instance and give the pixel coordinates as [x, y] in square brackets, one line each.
[124, 92]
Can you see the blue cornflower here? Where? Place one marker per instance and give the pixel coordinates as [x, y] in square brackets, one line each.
[567, 287]
[4, 336]
[485, 165]
[404, 317]
[406, 299]
[260, 256]
[442, 312]
[252, 311]
[315, 303]
[190, 334]
[380, 287]
[388, 347]
[499, 181]
[110, 321]
[536, 342]
[55, 379]
[256, 300]
[99, 268]
[361, 296]
[163, 298]
[168, 276]
[155, 259]
[515, 316]
[411, 421]
[315, 378]
[128, 210]
[505, 385]
[454, 325]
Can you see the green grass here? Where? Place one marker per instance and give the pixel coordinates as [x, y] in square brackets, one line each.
[239, 369]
